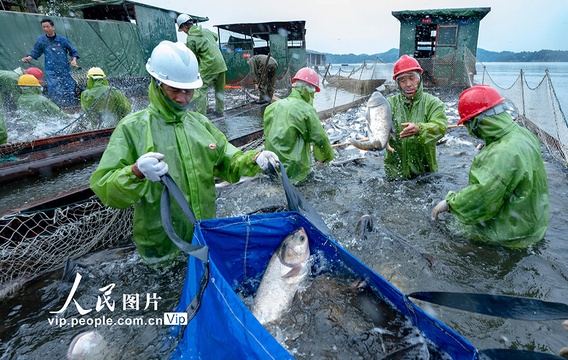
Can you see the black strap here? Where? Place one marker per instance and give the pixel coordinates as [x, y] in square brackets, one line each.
[200, 252]
[509, 307]
[297, 202]
[505, 354]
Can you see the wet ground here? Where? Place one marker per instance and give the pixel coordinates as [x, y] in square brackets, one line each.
[341, 192]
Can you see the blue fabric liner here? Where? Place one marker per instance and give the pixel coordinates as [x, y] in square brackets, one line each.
[240, 249]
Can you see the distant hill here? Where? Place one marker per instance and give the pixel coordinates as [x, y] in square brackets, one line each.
[482, 55]
[525, 56]
[387, 57]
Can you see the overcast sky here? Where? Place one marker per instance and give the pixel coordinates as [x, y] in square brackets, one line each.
[367, 26]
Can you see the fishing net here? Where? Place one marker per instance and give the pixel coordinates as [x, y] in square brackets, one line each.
[539, 111]
[107, 109]
[538, 108]
[37, 242]
[359, 81]
[26, 133]
[33, 243]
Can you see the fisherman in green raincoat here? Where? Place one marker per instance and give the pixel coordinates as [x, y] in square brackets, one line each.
[166, 137]
[419, 119]
[9, 89]
[506, 201]
[292, 124]
[112, 105]
[32, 104]
[212, 67]
[9, 93]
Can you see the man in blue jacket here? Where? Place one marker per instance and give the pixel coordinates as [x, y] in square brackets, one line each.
[60, 84]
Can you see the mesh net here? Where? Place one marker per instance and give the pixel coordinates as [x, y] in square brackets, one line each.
[104, 112]
[539, 111]
[38, 242]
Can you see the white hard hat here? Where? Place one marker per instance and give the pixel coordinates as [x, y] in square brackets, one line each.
[174, 65]
[182, 19]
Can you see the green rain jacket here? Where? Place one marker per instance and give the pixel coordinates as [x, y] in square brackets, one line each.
[506, 201]
[112, 106]
[9, 86]
[32, 104]
[290, 126]
[203, 43]
[195, 151]
[3, 132]
[416, 154]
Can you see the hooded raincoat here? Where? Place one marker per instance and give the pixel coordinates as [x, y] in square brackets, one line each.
[9, 89]
[112, 105]
[506, 201]
[60, 84]
[212, 67]
[33, 105]
[290, 126]
[416, 154]
[195, 151]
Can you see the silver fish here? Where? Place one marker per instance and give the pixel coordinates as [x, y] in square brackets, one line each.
[286, 271]
[379, 122]
[88, 345]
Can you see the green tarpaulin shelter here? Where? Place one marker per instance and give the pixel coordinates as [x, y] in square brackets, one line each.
[117, 36]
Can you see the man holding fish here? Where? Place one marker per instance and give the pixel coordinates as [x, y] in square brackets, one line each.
[419, 119]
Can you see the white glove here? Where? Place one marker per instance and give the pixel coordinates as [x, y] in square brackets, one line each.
[265, 157]
[152, 166]
[440, 208]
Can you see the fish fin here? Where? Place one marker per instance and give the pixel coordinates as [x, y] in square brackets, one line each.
[366, 145]
[293, 272]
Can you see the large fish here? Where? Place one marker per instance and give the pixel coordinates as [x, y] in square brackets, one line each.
[88, 345]
[288, 267]
[379, 122]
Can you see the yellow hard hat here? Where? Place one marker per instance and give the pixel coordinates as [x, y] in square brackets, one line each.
[28, 80]
[95, 71]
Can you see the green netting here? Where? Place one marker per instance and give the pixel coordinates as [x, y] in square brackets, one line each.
[114, 46]
[155, 25]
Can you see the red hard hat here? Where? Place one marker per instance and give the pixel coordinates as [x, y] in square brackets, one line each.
[35, 72]
[476, 100]
[405, 64]
[308, 75]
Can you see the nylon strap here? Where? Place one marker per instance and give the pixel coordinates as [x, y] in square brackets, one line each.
[200, 252]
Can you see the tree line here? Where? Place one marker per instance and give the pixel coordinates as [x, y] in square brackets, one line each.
[482, 55]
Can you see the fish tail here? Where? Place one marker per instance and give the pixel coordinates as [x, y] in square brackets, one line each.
[366, 145]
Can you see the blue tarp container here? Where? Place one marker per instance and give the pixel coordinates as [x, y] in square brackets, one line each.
[239, 249]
